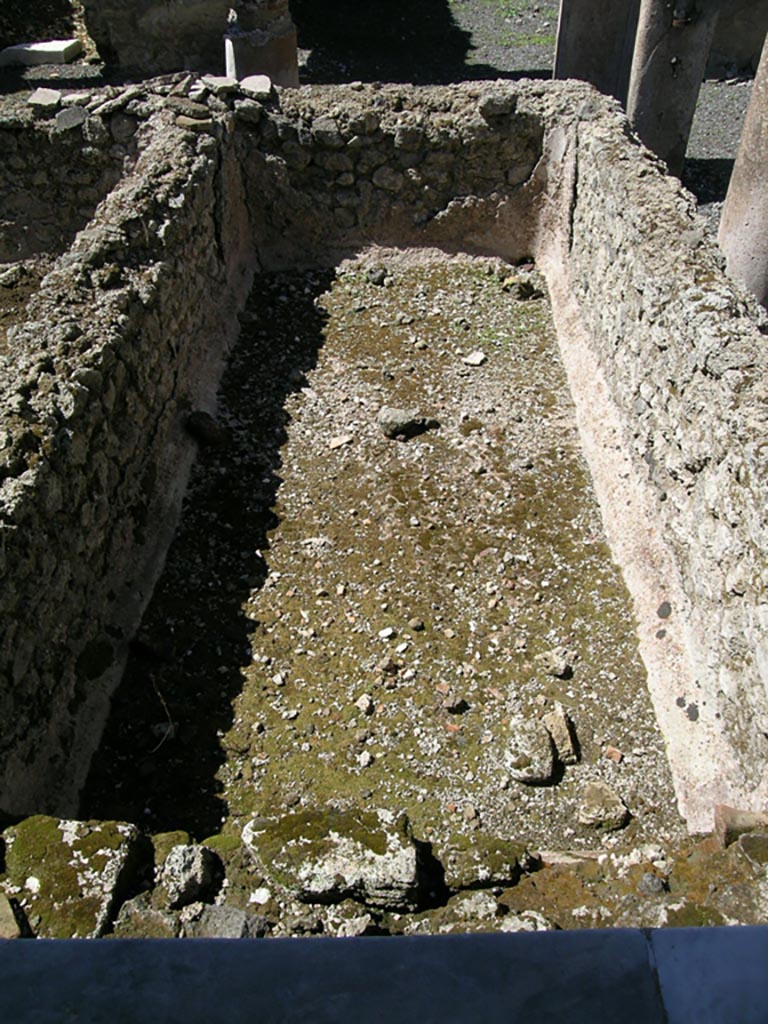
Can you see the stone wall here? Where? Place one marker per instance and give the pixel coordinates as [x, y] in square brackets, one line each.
[124, 339]
[398, 165]
[683, 354]
[52, 180]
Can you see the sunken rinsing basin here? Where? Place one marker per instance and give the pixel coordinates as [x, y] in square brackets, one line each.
[638, 391]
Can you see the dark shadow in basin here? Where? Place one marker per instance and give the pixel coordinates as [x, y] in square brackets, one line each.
[159, 760]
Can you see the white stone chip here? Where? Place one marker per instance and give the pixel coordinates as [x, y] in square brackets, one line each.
[258, 86]
[45, 99]
[475, 359]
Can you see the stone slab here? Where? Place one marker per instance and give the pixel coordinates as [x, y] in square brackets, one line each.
[220, 85]
[70, 117]
[257, 86]
[45, 99]
[57, 51]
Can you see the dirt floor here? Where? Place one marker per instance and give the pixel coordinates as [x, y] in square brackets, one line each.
[381, 613]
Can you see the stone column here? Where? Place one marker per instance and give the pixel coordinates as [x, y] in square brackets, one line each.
[743, 234]
[595, 39]
[671, 50]
[261, 40]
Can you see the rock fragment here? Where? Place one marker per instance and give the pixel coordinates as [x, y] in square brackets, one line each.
[223, 922]
[557, 662]
[601, 807]
[651, 884]
[731, 822]
[70, 117]
[560, 727]
[403, 423]
[138, 919]
[9, 925]
[527, 921]
[475, 359]
[190, 873]
[327, 856]
[377, 275]
[71, 875]
[530, 755]
[365, 704]
[45, 100]
[257, 86]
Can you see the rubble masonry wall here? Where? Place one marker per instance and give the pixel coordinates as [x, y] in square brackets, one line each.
[125, 337]
[683, 352]
[51, 181]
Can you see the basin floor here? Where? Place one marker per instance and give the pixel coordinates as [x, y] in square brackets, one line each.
[352, 619]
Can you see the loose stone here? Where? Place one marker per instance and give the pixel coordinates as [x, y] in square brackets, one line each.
[475, 359]
[189, 873]
[45, 99]
[602, 808]
[327, 856]
[556, 662]
[365, 704]
[530, 755]
[560, 727]
[406, 423]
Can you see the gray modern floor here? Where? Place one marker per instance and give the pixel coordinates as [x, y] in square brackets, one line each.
[687, 976]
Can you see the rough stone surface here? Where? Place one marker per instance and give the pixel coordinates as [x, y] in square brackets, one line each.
[404, 423]
[482, 860]
[259, 87]
[45, 99]
[602, 807]
[327, 857]
[530, 755]
[560, 727]
[9, 925]
[56, 51]
[50, 183]
[69, 877]
[222, 922]
[189, 874]
[139, 919]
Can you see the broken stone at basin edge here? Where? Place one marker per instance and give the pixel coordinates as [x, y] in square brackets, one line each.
[327, 856]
